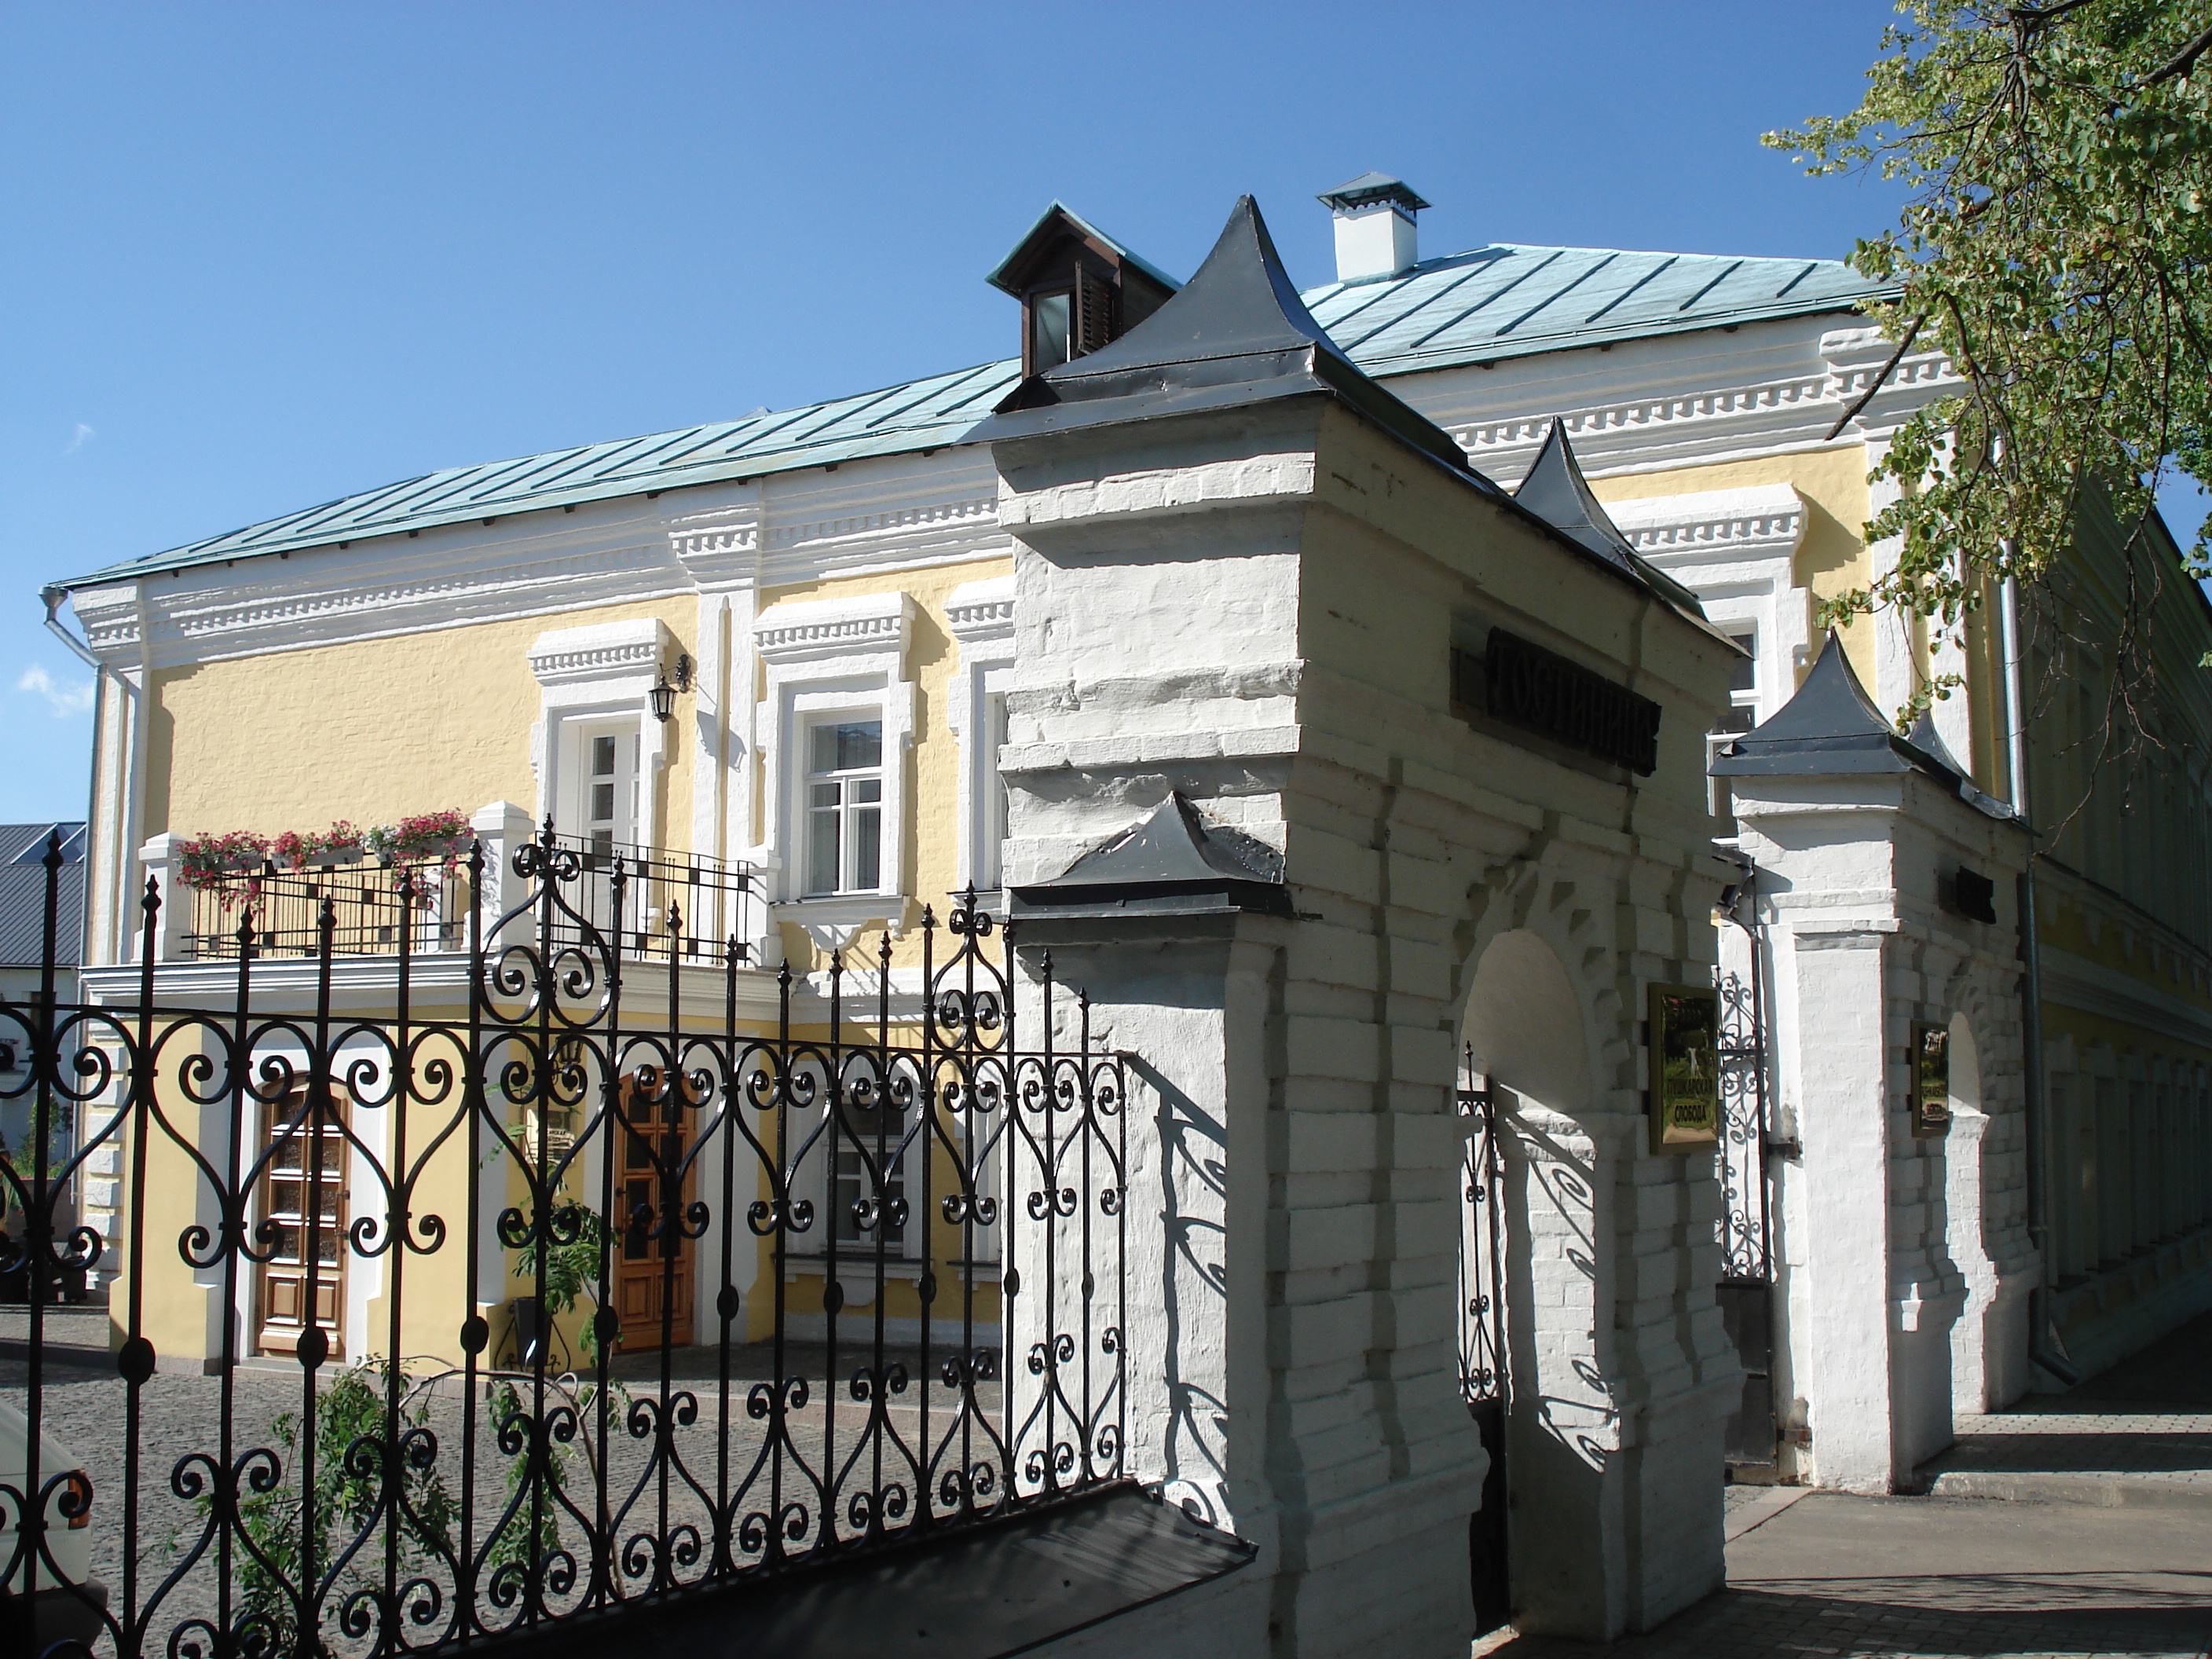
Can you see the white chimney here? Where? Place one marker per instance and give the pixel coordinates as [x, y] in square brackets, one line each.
[1375, 232]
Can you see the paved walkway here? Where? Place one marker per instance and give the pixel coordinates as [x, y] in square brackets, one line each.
[2105, 1550]
[1929, 1576]
[2141, 1433]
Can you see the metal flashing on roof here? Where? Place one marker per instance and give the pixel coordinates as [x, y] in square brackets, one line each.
[1451, 311]
[1170, 862]
[1484, 306]
[1370, 188]
[1236, 334]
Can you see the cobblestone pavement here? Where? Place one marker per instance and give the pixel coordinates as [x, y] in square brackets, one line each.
[83, 1409]
[1933, 1579]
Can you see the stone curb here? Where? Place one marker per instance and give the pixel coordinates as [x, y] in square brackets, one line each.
[2107, 1492]
[1761, 1510]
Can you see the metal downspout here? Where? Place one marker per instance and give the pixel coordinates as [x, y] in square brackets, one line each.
[2038, 1100]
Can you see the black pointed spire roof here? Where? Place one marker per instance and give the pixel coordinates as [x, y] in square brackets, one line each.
[1929, 741]
[1235, 334]
[1556, 492]
[1170, 861]
[1831, 726]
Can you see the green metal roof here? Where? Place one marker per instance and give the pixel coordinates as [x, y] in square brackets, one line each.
[1509, 301]
[1483, 307]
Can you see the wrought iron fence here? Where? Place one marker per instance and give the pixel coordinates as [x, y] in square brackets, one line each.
[284, 907]
[442, 1325]
[1746, 1228]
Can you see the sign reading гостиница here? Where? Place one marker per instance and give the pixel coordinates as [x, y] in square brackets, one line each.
[1545, 693]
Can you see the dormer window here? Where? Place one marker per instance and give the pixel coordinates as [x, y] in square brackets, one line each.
[1079, 289]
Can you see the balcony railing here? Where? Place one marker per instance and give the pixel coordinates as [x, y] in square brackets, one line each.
[424, 907]
[432, 1335]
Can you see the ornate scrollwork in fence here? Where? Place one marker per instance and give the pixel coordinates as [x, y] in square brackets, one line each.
[451, 1305]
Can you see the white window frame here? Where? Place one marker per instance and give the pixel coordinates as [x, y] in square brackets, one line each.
[810, 812]
[980, 617]
[592, 681]
[1736, 549]
[824, 659]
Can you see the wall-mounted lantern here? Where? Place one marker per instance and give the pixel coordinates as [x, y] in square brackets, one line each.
[663, 694]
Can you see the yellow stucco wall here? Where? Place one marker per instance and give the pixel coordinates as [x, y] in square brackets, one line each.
[1830, 557]
[417, 723]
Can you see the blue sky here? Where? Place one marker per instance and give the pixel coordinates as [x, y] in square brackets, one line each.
[257, 256]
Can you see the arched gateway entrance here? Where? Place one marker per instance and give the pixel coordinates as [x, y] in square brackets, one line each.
[1529, 1259]
[1328, 763]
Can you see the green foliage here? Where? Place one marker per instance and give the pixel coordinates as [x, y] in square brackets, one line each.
[2057, 247]
[343, 1501]
[572, 1270]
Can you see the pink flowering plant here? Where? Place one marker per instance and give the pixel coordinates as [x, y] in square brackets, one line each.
[444, 837]
[339, 844]
[209, 863]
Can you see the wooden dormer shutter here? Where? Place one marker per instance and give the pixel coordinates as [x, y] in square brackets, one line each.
[1094, 311]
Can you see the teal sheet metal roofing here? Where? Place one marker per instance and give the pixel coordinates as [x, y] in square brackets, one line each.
[1483, 307]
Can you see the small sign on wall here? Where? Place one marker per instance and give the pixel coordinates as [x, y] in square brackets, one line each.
[1686, 1067]
[1931, 1079]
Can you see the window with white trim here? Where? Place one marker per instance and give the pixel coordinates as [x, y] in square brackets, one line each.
[1743, 683]
[844, 826]
[838, 728]
[992, 826]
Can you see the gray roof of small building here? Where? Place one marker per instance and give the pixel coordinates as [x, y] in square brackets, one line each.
[23, 895]
[1830, 728]
[1492, 303]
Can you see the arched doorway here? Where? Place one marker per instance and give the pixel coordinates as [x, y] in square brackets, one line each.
[1528, 1282]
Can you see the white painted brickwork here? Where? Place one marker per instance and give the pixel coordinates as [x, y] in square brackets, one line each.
[1226, 613]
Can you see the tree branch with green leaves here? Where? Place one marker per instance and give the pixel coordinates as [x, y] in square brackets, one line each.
[2057, 247]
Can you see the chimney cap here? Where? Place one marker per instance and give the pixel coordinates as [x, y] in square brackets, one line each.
[1367, 189]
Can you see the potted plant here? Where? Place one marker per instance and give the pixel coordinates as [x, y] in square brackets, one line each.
[324, 849]
[442, 837]
[209, 863]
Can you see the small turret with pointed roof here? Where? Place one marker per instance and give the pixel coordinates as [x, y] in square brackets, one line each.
[1556, 492]
[1831, 727]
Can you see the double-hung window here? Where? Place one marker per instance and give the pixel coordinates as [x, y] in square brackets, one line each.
[844, 807]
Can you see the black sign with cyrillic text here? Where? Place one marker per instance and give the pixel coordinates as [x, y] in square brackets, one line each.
[1546, 694]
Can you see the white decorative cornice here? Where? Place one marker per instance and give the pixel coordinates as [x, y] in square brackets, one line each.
[720, 549]
[980, 610]
[1735, 403]
[1760, 521]
[871, 623]
[601, 652]
[982, 509]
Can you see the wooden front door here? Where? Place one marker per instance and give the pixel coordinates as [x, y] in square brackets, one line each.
[303, 1201]
[651, 1273]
